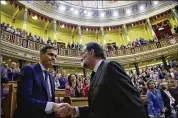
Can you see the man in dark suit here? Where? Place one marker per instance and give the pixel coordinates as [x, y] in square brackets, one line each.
[36, 88]
[111, 93]
[63, 80]
[4, 79]
[12, 72]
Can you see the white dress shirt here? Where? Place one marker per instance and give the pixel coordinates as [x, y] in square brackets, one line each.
[49, 105]
[95, 70]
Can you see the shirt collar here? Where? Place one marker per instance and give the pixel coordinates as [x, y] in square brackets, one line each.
[97, 65]
[42, 67]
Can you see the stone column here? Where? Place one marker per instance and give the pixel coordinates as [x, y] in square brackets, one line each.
[25, 18]
[126, 32]
[151, 28]
[175, 13]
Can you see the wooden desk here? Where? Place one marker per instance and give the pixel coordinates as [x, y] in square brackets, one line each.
[9, 103]
[82, 101]
[60, 93]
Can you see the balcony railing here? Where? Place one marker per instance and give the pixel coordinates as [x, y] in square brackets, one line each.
[25, 43]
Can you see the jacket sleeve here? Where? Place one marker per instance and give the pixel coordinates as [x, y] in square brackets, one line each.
[83, 111]
[150, 104]
[123, 91]
[24, 91]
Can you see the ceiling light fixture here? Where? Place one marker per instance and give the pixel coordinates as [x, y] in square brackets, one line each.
[128, 11]
[115, 13]
[72, 9]
[102, 14]
[85, 12]
[34, 17]
[3, 2]
[141, 7]
[62, 8]
[62, 26]
[89, 14]
[76, 12]
[155, 2]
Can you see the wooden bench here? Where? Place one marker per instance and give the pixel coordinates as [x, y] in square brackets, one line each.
[9, 104]
[60, 93]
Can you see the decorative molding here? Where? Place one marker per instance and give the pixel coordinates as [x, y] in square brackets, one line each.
[54, 13]
[19, 52]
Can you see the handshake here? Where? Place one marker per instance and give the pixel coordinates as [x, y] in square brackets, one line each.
[63, 109]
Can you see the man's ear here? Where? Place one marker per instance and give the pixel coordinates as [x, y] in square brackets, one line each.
[92, 52]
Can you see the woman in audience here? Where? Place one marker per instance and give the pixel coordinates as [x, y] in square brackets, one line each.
[71, 87]
[155, 105]
[80, 85]
[86, 86]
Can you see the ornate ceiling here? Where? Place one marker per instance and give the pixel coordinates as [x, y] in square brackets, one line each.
[100, 13]
[98, 4]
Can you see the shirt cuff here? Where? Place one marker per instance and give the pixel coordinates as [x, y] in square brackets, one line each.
[49, 107]
[77, 114]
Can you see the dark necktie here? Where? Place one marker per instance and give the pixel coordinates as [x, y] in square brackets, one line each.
[92, 75]
[47, 85]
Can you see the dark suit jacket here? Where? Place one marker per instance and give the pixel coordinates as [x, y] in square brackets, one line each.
[62, 82]
[32, 94]
[166, 101]
[112, 95]
[4, 79]
[174, 93]
[12, 75]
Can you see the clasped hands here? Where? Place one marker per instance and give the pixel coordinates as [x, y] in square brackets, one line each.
[63, 109]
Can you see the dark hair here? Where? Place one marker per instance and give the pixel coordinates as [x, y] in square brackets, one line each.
[44, 49]
[69, 79]
[98, 50]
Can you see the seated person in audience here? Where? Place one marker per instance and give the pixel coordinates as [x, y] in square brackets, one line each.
[71, 87]
[55, 44]
[35, 38]
[6, 27]
[53, 73]
[10, 29]
[80, 85]
[167, 99]
[17, 32]
[13, 72]
[86, 86]
[23, 34]
[63, 79]
[3, 25]
[155, 105]
[49, 42]
[38, 39]
[4, 78]
[56, 81]
[30, 37]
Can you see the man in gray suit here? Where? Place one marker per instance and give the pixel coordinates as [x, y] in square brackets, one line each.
[111, 92]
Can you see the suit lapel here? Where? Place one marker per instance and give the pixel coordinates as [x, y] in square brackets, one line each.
[96, 78]
[39, 72]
